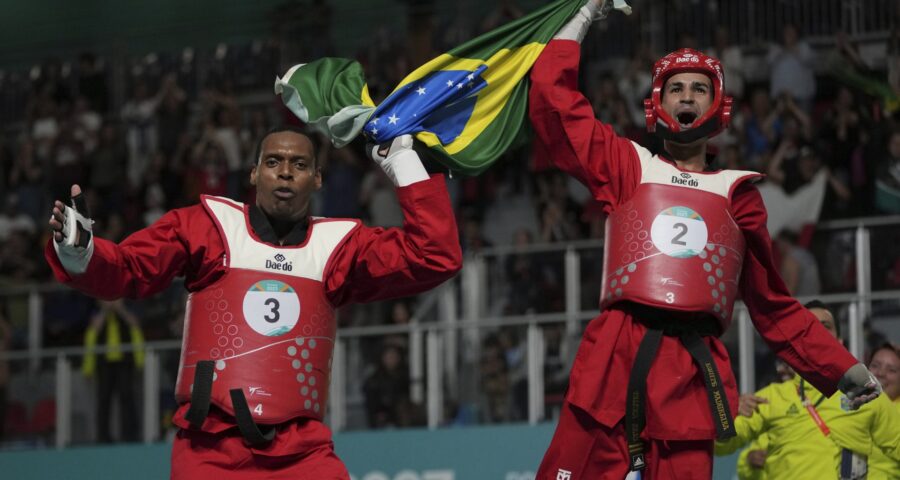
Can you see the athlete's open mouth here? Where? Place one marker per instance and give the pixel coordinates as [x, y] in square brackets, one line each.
[686, 119]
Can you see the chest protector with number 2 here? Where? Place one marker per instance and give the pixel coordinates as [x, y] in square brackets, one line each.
[266, 323]
[674, 243]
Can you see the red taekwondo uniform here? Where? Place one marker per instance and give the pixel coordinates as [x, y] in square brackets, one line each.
[680, 247]
[260, 326]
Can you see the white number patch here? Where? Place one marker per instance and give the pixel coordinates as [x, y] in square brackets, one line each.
[271, 308]
[679, 232]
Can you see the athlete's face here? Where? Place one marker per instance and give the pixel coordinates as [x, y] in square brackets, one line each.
[885, 365]
[686, 97]
[285, 176]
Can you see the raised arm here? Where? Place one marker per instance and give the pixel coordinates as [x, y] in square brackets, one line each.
[378, 263]
[564, 122]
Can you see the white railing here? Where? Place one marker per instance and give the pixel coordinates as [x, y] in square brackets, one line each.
[445, 338]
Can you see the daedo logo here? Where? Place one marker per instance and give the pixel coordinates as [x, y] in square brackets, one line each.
[686, 180]
[279, 264]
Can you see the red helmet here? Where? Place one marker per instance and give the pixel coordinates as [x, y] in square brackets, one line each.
[710, 123]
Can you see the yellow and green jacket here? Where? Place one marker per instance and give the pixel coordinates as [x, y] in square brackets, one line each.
[881, 465]
[799, 449]
[744, 470]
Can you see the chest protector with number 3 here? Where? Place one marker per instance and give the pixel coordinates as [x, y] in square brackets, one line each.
[674, 243]
[266, 323]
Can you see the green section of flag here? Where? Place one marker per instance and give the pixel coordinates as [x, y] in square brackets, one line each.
[330, 94]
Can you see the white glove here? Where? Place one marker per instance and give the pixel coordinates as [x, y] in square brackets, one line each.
[859, 385]
[399, 161]
[577, 27]
[77, 245]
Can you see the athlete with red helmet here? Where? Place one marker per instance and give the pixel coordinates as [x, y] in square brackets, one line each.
[652, 385]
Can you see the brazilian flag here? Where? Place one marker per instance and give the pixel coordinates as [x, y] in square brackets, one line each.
[467, 106]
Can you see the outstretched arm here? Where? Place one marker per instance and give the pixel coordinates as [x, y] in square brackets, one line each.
[789, 329]
[143, 264]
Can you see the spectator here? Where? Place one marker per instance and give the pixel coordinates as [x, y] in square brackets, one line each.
[885, 365]
[732, 62]
[522, 276]
[387, 390]
[92, 82]
[791, 65]
[496, 387]
[887, 181]
[107, 165]
[27, 180]
[139, 115]
[13, 220]
[762, 128]
[113, 326]
[798, 266]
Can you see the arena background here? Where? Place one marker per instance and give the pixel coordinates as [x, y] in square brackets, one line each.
[148, 104]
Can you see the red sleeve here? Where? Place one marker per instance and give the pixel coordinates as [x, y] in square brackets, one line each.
[377, 263]
[178, 244]
[564, 122]
[792, 332]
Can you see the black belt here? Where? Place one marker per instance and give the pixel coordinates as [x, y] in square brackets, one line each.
[635, 416]
[200, 400]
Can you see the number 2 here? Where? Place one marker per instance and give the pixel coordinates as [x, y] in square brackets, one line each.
[274, 319]
[677, 239]
[258, 409]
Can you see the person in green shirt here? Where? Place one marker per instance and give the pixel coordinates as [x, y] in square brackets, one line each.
[808, 432]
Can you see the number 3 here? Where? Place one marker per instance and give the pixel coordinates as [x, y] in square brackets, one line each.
[274, 310]
[670, 297]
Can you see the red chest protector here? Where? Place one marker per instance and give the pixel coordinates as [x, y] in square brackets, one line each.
[674, 243]
[266, 323]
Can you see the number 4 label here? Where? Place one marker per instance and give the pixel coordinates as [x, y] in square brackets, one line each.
[258, 409]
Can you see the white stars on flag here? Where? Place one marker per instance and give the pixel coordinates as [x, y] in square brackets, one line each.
[449, 83]
[421, 91]
[393, 119]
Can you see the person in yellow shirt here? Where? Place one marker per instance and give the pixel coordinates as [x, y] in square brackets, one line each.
[753, 458]
[807, 432]
[112, 326]
[885, 365]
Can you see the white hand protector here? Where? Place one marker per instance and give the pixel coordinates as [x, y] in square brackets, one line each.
[859, 385]
[577, 27]
[77, 245]
[399, 161]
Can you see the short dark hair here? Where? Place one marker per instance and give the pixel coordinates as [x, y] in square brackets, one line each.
[818, 304]
[288, 128]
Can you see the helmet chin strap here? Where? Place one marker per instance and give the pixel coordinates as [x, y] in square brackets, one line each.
[707, 129]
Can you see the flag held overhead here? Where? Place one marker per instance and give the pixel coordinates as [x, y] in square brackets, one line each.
[467, 106]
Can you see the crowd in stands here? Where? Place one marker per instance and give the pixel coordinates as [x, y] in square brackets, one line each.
[179, 133]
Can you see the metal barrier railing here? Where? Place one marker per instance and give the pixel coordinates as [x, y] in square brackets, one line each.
[445, 338]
